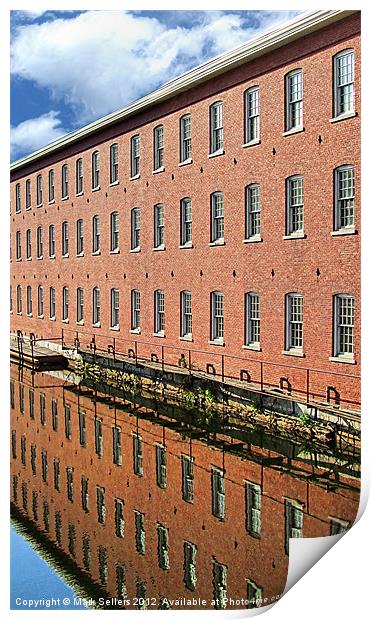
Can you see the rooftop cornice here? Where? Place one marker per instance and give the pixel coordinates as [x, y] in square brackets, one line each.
[282, 35]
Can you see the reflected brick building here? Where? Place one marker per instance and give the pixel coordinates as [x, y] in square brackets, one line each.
[149, 507]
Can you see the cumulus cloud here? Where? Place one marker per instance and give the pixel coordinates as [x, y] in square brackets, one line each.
[34, 133]
[98, 61]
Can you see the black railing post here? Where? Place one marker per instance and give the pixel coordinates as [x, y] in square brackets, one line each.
[261, 377]
[307, 385]
[136, 352]
[222, 367]
[114, 349]
[62, 338]
[162, 358]
[189, 361]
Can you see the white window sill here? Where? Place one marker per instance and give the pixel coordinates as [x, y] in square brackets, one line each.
[96, 253]
[80, 255]
[186, 246]
[38, 206]
[251, 143]
[186, 337]
[19, 313]
[29, 258]
[216, 153]
[29, 208]
[65, 320]
[134, 250]
[135, 177]
[343, 117]
[64, 198]
[115, 328]
[18, 260]
[158, 170]
[159, 248]
[294, 352]
[252, 347]
[114, 183]
[95, 189]
[96, 325]
[52, 318]
[65, 255]
[39, 257]
[41, 316]
[29, 315]
[159, 334]
[52, 202]
[135, 331]
[296, 235]
[343, 231]
[217, 242]
[80, 323]
[292, 131]
[342, 359]
[115, 251]
[254, 239]
[185, 162]
[217, 343]
[79, 194]
[52, 256]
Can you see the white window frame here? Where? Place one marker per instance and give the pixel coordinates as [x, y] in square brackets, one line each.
[19, 299]
[115, 308]
[341, 110]
[159, 307]
[253, 212]
[52, 303]
[114, 164]
[79, 176]
[18, 245]
[159, 226]
[294, 102]
[256, 599]
[114, 232]
[95, 234]
[18, 206]
[28, 194]
[252, 115]
[40, 301]
[216, 128]
[186, 222]
[252, 320]
[135, 156]
[135, 229]
[95, 170]
[51, 241]
[80, 237]
[338, 327]
[80, 305]
[217, 219]
[340, 202]
[96, 306]
[217, 320]
[39, 236]
[135, 311]
[51, 188]
[65, 238]
[291, 323]
[293, 507]
[65, 295]
[39, 191]
[186, 315]
[185, 139]
[64, 181]
[28, 243]
[158, 148]
[29, 300]
[253, 496]
[294, 207]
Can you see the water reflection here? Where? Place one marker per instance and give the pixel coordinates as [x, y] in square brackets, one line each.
[148, 511]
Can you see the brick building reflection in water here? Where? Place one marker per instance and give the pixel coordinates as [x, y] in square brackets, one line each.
[146, 507]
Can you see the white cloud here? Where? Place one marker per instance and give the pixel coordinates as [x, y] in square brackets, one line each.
[99, 61]
[34, 133]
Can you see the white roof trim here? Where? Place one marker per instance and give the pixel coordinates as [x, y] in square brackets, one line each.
[298, 27]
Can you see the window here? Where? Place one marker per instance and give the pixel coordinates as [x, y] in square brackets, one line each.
[18, 245]
[67, 421]
[252, 313]
[159, 313]
[51, 241]
[138, 454]
[217, 218]
[217, 317]
[121, 590]
[51, 185]
[254, 595]
[135, 153]
[95, 170]
[79, 238]
[42, 409]
[19, 299]
[116, 445]
[135, 310]
[40, 302]
[114, 163]
[293, 521]
[58, 527]
[44, 465]
[96, 235]
[186, 314]
[28, 194]
[54, 415]
[52, 303]
[65, 303]
[161, 475]
[344, 326]
[115, 308]
[140, 534]
[65, 239]
[158, 144]
[86, 554]
[24, 496]
[21, 398]
[98, 433]
[39, 236]
[12, 394]
[101, 507]
[119, 518]
[338, 526]
[135, 229]
[216, 128]
[71, 539]
[185, 138]
[163, 547]
[11, 299]
[294, 205]
[33, 458]
[187, 478]
[252, 201]
[186, 221]
[344, 198]
[18, 198]
[28, 243]
[39, 191]
[82, 428]
[218, 493]
[294, 322]
[344, 83]
[219, 585]
[294, 100]
[46, 515]
[96, 306]
[64, 181]
[15, 489]
[85, 494]
[253, 508]
[23, 449]
[14, 444]
[35, 505]
[114, 229]
[190, 579]
[31, 398]
[252, 115]
[79, 305]
[141, 595]
[79, 176]
[159, 240]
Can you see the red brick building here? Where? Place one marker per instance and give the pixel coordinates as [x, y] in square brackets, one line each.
[147, 507]
[220, 213]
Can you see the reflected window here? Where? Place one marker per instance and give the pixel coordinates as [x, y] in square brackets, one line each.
[101, 506]
[190, 578]
[58, 528]
[71, 539]
[187, 478]
[218, 493]
[69, 475]
[44, 465]
[67, 421]
[140, 534]
[116, 443]
[253, 508]
[120, 581]
[86, 555]
[46, 515]
[102, 560]
[82, 428]
[85, 494]
[219, 585]
[57, 475]
[31, 400]
[138, 454]
[33, 458]
[254, 595]
[119, 517]
[42, 409]
[98, 426]
[161, 466]
[35, 505]
[293, 521]
[54, 414]
[163, 547]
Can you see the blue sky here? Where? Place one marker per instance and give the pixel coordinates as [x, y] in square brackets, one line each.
[69, 68]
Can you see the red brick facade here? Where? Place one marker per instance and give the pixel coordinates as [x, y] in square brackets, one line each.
[318, 266]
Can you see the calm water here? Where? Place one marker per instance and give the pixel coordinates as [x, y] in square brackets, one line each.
[137, 506]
